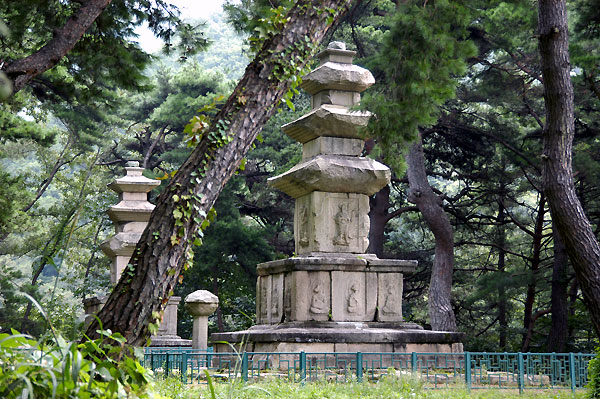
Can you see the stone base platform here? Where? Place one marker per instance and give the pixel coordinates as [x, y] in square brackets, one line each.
[169, 341]
[339, 337]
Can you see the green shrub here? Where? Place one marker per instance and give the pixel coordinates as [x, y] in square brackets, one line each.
[594, 376]
[101, 368]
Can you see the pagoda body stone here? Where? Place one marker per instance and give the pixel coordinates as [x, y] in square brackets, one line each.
[333, 296]
[130, 217]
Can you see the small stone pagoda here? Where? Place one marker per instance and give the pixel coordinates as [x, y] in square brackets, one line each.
[333, 296]
[130, 217]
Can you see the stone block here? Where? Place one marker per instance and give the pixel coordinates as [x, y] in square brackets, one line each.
[364, 347]
[92, 306]
[310, 296]
[333, 173]
[276, 302]
[119, 263]
[131, 227]
[322, 261]
[389, 297]
[328, 120]
[263, 299]
[335, 97]
[353, 296]
[426, 347]
[340, 54]
[332, 146]
[168, 325]
[331, 222]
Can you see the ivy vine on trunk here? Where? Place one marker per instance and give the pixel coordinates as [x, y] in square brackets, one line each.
[135, 306]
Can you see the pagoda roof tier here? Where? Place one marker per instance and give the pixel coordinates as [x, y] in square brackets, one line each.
[133, 182]
[334, 174]
[337, 76]
[131, 211]
[327, 120]
[120, 244]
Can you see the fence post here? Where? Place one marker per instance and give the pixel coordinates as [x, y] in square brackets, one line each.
[359, 368]
[245, 366]
[468, 370]
[521, 377]
[572, 370]
[413, 362]
[167, 373]
[302, 367]
[183, 368]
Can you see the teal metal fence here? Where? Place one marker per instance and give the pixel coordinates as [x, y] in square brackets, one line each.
[473, 370]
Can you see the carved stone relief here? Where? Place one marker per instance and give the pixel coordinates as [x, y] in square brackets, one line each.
[352, 295]
[310, 295]
[343, 224]
[303, 238]
[352, 299]
[319, 303]
[389, 297]
[331, 222]
[276, 298]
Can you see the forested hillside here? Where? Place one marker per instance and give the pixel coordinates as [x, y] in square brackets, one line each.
[461, 120]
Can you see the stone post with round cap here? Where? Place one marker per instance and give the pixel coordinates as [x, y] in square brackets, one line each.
[201, 304]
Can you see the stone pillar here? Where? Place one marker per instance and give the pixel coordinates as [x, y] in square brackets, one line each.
[130, 217]
[201, 304]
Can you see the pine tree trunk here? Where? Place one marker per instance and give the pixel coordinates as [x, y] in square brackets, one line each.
[146, 285]
[440, 308]
[378, 217]
[567, 213]
[559, 327]
[538, 235]
[502, 308]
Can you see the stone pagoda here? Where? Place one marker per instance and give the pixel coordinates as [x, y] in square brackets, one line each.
[333, 296]
[130, 217]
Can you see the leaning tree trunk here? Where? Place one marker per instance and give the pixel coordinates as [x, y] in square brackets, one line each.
[164, 249]
[567, 213]
[420, 193]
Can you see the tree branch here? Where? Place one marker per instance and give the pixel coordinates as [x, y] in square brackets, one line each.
[23, 70]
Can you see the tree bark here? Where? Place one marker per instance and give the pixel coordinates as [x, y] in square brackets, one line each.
[165, 245]
[559, 325]
[567, 213]
[378, 217]
[502, 301]
[538, 235]
[21, 71]
[420, 193]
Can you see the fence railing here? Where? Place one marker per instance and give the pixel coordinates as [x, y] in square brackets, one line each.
[473, 370]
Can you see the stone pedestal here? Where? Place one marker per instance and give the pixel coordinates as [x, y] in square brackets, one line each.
[333, 297]
[201, 304]
[130, 217]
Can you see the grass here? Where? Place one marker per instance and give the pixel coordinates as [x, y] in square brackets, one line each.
[392, 388]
